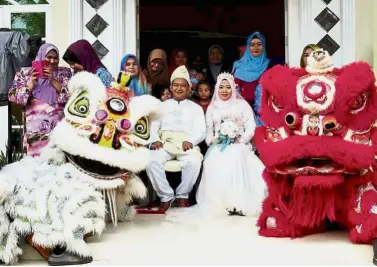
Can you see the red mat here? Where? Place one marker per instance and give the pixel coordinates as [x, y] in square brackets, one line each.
[148, 210]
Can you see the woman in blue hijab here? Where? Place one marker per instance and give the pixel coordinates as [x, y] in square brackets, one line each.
[249, 68]
[138, 86]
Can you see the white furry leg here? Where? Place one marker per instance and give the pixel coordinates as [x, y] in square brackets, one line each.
[134, 188]
[5, 190]
[118, 200]
[9, 250]
[126, 213]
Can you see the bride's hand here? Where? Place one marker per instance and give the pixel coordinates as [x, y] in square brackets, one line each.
[213, 140]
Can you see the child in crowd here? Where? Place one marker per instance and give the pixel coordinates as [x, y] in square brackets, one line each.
[165, 94]
[161, 92]
[204, 94]
[202, 97]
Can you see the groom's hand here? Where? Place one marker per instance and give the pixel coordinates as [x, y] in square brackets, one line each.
[157, 145]
[186, 146]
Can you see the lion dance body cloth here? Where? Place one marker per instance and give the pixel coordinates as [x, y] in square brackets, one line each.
[84, 177]
[319, 145]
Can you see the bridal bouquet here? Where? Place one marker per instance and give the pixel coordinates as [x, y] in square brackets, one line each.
[228, 132]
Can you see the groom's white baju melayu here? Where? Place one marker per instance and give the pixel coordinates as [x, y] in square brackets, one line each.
[232, 178]
[177, 117]
[179, 122]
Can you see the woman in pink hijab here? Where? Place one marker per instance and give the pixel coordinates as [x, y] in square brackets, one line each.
[42, 97]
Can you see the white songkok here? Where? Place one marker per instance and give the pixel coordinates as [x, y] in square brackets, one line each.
[181, 72]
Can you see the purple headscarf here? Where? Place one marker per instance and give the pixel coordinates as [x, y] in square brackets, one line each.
[44, 90]
[83, 53]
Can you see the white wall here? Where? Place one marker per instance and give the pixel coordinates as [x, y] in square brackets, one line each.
[303, 29]
[364, 30]
[60, 17]
[119, 37]
[106, 37]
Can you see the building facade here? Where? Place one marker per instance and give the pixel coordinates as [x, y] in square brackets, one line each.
[344, 27]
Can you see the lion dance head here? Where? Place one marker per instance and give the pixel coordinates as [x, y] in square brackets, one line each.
[319, 133]
[104, 136]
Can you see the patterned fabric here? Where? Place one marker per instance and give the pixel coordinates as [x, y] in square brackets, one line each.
[194, 76]
[105, 76]
[257, 104]
[41, 118]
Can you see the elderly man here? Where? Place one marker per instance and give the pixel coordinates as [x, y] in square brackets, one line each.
[174, 135]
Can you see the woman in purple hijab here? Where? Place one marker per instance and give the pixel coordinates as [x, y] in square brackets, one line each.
[43, 97]
[81, 56]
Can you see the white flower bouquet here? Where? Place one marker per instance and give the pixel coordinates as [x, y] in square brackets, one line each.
[228, 133]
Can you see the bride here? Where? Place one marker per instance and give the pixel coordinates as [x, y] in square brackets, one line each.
[232, 182]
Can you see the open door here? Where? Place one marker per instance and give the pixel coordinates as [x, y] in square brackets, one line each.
[224, 23]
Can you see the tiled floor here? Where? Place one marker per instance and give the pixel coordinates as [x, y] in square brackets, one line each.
[149, 240]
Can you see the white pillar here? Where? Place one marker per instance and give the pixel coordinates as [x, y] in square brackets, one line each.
[3, 128]
[347, 13]
[130, 27]
[76, 14]
[118, 33]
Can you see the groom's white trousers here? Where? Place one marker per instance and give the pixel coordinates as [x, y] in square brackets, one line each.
[190, 164]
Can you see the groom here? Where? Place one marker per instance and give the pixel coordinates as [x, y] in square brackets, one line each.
[174, 135]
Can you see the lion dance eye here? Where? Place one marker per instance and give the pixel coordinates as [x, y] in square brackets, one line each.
[80, 106]
[142, 128]
[359, 103]
[293, 120]
[329, 123]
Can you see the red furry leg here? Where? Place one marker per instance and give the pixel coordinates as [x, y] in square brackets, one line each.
[362, 214]
[273, 221]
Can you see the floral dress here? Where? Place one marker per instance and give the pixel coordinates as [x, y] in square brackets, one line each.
[41, 118]
[105, 76]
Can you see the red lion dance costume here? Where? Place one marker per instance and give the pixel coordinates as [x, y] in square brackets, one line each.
[318, 145]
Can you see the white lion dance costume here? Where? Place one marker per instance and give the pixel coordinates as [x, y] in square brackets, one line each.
[87, 169]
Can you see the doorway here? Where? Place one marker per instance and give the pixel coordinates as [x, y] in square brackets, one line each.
[197, 25]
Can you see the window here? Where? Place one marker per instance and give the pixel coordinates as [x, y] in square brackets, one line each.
[32, 23]
[24, 2]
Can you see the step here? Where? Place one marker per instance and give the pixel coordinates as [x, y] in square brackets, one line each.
[150, 240]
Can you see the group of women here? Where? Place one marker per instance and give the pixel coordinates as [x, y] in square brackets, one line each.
[43, 99]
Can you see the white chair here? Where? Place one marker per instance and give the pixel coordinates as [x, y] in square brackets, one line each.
[174, 165]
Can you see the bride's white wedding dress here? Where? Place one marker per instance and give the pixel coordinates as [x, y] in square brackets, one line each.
[232, 178]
